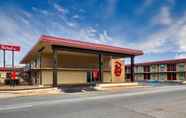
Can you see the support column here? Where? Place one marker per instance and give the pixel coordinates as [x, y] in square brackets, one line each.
[4, 59]
[30, 74]
[100, 67]
[132, 69]
[13, 60]
[54, 67]
[40, 66]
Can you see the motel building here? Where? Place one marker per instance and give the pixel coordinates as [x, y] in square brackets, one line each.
[164, 70]
[58, 61]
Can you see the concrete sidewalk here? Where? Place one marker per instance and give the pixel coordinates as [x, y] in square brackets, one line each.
[7, 95]
[17, 92]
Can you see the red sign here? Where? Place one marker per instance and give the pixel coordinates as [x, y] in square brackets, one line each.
[13, 75]
[95, 74]
[9, 47]
[117, 69]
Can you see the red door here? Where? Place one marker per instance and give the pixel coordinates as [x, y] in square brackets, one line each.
[174, 76]
[169, 76]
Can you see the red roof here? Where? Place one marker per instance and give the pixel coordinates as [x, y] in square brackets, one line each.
[50, 40]
[86, 45]
[170, 61]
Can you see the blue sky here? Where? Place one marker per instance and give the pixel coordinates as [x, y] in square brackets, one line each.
[155, 26]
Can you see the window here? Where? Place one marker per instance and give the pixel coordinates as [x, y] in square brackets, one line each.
[153, 68]
[33, 64]
[153, 76]
[181, 67]
[38, 62]
[162, 76]
[181, 76]
[140, 69]
[146, 69]
[162, 67]
[136, 69]
[171, 67]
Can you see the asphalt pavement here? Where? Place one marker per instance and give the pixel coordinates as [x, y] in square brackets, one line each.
[152, 102]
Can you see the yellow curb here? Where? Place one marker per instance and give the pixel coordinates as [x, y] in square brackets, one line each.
[118, 85]
[123, 86]
[184, 82]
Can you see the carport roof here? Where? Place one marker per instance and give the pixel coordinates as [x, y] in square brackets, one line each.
[65, 42]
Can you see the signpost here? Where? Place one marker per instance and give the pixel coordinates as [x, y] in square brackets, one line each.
[12, 48]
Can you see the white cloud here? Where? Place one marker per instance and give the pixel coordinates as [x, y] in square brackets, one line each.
[27, 14]
[24, 20]
[71, 24]
[91, 34]
[45, 12]
[41, 11]
[170, 39]
[104, 37]
[163, 17]
[59, 8]
[24, 28]
[181, 35]
[180, 55]
[76, 16]
[88, 34]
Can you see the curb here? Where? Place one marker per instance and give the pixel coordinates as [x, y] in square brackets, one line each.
[33, 92]
[22, 89]
[117, 85]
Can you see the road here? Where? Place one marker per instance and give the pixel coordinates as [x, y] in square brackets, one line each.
[154, 102]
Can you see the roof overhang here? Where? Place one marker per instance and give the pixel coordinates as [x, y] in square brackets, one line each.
[47, 42]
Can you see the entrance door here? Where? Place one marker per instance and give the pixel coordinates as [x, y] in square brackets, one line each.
[89, 77]
[168, 76]
[174, 76]
[93, 76]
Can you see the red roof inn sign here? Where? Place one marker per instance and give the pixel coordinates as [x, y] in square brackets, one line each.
[9, 47]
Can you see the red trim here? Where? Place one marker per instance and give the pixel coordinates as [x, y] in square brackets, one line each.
[9, 69]
[172, 61]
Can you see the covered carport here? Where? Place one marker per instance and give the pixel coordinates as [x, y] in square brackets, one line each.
[55, 46]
